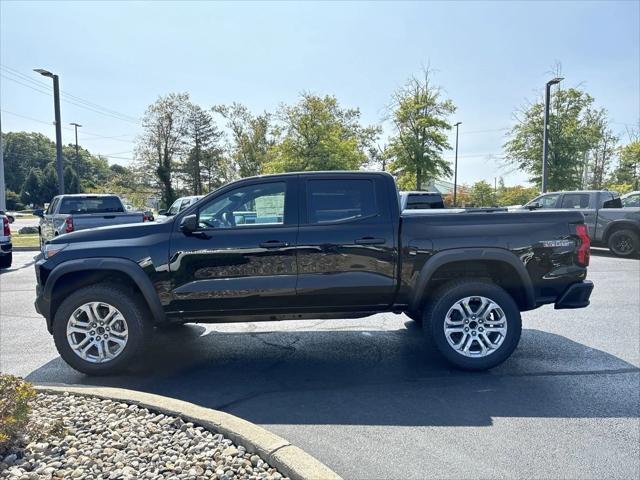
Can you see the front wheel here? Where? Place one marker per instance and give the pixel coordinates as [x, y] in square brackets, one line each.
[475, 325]
[100, 328]
[624, 243]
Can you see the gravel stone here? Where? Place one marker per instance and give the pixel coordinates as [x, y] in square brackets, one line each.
[103, 439]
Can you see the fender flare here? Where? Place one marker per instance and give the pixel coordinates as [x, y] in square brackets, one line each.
[473, 254]
[128, 267]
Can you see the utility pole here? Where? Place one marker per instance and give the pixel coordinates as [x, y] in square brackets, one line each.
[455, 170]
[76, 125]
[545, 140]
[3, 192]
[56, 105]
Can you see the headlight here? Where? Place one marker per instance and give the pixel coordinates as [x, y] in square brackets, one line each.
[50, 249]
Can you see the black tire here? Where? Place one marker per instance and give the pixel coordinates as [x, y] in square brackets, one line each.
[445, 298]
[6, 260]
[624, 243]
[131, 308]
[415, 316]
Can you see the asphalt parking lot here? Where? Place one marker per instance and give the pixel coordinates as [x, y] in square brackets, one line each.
[364, 398]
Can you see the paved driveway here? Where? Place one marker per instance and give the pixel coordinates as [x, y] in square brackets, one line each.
[363, 397]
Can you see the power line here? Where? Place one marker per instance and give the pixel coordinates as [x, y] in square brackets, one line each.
[71, 99]
[28, 78]
[97, 136]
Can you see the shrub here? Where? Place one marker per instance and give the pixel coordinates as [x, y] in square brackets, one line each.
[15, 397]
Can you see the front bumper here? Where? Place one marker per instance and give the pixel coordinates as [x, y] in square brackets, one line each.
[575, 296]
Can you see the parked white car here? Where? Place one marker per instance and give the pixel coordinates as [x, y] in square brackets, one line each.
[6, 255]
[177, 206]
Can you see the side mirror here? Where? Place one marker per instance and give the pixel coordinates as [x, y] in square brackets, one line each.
[162, 212]
[38, 212]
[534, 206]
[189, 224]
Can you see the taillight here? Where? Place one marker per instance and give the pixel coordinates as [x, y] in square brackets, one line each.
[584, 249]
[145, 217]
[6, 229]
[68, 225]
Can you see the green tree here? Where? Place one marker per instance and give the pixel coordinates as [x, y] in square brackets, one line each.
[482, 194]
[516, 195]
[163, 139]
[23, 152]
[202, 135]
[216, 169]
[574, 129]
[13, 201]
[420, 117]
[250, 138]
[71, 181]
[31, 190]
[628, 169]
[318, 134]
[49, 185]
[91, 170]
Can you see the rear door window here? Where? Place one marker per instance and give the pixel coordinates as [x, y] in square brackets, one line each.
[334, 200]
[88, 205]
[575, 200]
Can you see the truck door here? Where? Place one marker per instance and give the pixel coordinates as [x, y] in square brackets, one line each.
[580, 201]
[241, 259]
[346, 244]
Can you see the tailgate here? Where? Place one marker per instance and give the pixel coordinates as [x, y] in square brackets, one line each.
[83, 222]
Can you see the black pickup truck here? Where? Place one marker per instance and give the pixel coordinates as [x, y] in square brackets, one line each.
[305, 246]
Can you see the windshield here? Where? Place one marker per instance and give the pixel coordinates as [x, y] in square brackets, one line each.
[81, 205]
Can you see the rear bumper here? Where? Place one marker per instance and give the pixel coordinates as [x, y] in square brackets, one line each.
[575, 296]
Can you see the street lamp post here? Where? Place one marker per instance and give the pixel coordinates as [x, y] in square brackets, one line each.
[455, 169]
[76, 125]
[56, 104]
[545, 144]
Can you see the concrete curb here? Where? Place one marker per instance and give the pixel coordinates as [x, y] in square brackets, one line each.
[278, 452]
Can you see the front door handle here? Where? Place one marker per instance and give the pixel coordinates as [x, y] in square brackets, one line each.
[370, 241]
[274, 244]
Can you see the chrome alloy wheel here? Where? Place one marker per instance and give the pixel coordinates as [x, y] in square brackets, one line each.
[475, 326]
[97, 332]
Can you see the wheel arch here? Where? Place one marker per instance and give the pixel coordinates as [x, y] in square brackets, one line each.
[619, 225]
[73, 274]
[495, 263]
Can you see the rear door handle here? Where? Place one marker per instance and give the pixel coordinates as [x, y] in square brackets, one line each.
[274, 244]
[370, 241]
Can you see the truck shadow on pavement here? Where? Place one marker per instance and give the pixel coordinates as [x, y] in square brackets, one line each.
[379, 377]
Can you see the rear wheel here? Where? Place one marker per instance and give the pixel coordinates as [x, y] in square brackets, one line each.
[624, 243]
[100, 328]
[475, 325]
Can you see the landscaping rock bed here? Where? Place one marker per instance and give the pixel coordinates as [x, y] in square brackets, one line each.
[91, 438]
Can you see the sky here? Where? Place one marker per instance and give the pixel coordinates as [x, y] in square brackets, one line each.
[490, 58]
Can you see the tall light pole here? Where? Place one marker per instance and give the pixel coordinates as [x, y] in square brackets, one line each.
[455, 169]
[56, 104]
[76, 125]
[545, 144]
